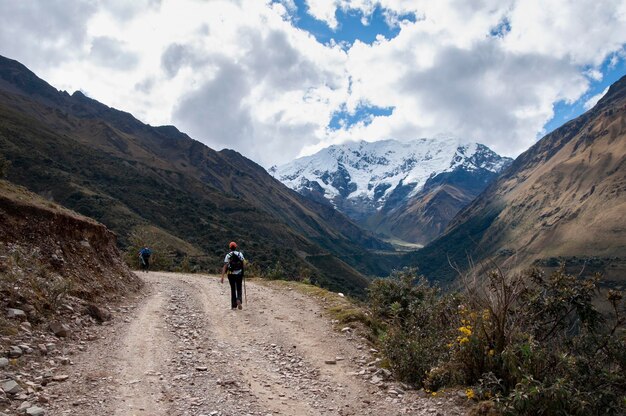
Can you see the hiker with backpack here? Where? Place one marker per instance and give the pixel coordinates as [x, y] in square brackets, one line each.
[144, 258]
[233, 263]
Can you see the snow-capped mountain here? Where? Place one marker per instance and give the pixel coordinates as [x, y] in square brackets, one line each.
[370, 181]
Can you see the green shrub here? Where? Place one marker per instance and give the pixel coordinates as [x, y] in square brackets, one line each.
[419, 323]
[4, 167]
[533, 344]
[276, 272]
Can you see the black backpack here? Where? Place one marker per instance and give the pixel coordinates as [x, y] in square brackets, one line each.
[234, 262]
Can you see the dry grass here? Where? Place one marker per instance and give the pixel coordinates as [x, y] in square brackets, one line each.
[344, 310]
[21, 195]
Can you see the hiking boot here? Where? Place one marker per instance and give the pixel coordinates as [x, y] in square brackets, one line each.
[239, 304]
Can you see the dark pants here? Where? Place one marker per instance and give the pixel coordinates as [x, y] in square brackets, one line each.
[235, 281]
[145, 263]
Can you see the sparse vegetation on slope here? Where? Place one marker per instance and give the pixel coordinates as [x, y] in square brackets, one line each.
[48, 253]
[107, 165]
[564, 197]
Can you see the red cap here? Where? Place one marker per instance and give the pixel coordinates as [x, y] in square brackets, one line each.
[232, 245]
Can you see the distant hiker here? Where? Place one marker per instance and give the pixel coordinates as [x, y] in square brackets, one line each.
[233, 263]
[144, 258]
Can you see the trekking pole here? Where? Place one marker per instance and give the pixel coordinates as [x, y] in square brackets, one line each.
[245, 292]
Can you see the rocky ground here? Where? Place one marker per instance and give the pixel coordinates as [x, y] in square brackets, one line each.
[178, 349]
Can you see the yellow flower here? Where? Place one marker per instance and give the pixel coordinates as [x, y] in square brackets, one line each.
[491, 353]
[466, 330]
[463, 340]
[486, 314]
[434, 393]
[470, 394]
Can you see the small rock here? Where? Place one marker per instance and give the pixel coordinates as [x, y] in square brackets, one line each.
[4, 362]
[11, 387]
[330, 361]
[97, 313]
[35, 411]
[64, 360]
[346, 329]
[15, 352]
[23, 407]
[375, 380]
[60, 378]
[16, 314]
[202, 368]
[59, 329]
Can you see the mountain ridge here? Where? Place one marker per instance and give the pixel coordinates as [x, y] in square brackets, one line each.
[106, 164]
[387, 186]
[560, 201]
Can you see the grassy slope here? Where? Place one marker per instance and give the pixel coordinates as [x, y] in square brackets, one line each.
[107, 165]
[564, 197]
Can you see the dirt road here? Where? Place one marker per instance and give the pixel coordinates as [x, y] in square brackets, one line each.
[183, 351]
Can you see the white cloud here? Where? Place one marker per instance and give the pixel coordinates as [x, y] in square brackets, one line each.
[238, 74]
[594, 99]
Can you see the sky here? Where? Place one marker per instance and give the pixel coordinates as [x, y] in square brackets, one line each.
[279, 79]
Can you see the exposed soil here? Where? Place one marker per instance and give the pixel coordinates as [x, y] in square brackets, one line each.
[183, 351]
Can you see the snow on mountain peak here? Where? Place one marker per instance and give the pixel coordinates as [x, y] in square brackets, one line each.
[371, 171]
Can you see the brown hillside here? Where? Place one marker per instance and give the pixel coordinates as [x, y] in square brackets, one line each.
[562, 200]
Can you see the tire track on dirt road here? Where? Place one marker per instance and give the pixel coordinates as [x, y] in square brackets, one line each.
[182, 351]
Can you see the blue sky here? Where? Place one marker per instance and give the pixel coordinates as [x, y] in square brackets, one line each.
[280, 79]
[350, 28]
[563, 112]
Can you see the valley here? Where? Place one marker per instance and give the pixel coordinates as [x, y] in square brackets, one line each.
[312, 208]
[157, 186]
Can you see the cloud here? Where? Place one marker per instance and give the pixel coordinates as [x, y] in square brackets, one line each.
[44, 33]
[174, 57]
[594, 100]
[243, 74]
[504, 105]
[217, 111]
[112, 53]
